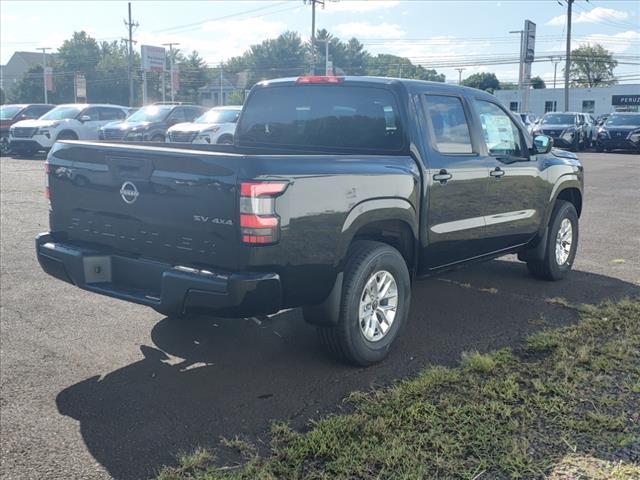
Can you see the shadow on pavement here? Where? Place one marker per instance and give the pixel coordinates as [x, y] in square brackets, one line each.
[207, 378]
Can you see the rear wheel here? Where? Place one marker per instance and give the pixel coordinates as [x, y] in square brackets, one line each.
[562, 243]
[599, 148]
[375, 304]
[225, 140]
[157, 138]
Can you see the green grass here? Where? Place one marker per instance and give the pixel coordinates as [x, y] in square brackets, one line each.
[557, 408]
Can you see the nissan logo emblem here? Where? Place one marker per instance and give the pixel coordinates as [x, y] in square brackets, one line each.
[129, 192]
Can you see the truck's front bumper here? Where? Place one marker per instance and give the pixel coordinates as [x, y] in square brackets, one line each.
[171, 290]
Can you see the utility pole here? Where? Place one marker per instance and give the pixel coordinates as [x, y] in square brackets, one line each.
[460, 70]
[44, 71]
[130, 25]
[313, 32]
[567, 64]
[221, 77]
[555, 61]
[170, 45]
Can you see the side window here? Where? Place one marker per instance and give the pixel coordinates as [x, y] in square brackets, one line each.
[177, 116]
[192, 113]
[35, 112]
[110, 114]
[448, 124]
[92, 113]
[501, 134]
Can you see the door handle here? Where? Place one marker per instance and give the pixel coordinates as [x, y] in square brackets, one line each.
[442, 177]
[497, 173]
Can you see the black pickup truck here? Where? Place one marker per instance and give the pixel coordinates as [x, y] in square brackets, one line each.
[337, 194]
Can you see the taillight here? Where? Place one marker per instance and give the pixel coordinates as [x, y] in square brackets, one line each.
[259, 223]
[319, 79]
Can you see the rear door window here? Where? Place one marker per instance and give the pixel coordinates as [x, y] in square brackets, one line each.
[322, 116]
[448, 124]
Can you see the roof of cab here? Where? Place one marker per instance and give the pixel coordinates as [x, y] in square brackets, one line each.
[410, 84]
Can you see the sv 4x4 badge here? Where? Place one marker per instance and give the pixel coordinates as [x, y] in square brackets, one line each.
[219, 221]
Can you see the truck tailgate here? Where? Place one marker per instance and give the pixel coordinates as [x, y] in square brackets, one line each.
[172, 205]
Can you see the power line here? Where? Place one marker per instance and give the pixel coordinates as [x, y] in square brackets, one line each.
[189, 26]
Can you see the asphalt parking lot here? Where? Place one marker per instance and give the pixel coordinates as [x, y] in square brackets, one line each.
[94, 388]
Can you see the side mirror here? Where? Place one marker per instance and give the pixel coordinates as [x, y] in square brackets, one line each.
[542, 144]
[85, 118]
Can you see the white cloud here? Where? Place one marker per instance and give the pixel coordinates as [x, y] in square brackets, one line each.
[617, 43]
[595, 15]
[358, 6]
[369, 30]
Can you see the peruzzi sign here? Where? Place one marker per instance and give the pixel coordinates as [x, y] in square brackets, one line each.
[625, 100]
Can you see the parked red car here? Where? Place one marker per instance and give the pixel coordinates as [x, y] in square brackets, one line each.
[10, 114]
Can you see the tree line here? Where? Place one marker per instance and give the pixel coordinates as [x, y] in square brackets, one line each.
[105, 66]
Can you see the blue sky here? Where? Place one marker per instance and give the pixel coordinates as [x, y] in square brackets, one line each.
[429, 32]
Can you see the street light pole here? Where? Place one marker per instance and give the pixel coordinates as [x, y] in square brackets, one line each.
[567, 64]
[44, 72]
[521, 69]
[326, 54]
[171, 44]
[555, 61]
[460, 70]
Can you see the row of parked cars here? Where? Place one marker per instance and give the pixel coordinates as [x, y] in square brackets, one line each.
[27, 129]
[578, 131]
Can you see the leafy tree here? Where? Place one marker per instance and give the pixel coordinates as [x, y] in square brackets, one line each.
[30, 89]
[386, 65]
[508, 86]
[592, 66]
[348, 58]
[235, 98]
[80, 54]
[109, 81]
[193, 74]
[537, 83]
[482, 81]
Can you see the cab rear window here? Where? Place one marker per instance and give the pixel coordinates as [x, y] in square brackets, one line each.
[323, 117]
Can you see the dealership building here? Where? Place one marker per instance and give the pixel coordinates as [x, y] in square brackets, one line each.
[597, 100]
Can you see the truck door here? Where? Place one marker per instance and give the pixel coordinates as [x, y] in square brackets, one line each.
[517, 193]
[457, 181]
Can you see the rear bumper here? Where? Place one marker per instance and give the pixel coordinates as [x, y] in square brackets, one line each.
[168, 289]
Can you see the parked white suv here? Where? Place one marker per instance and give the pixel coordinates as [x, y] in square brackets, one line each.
[218, 125]
[64, 122]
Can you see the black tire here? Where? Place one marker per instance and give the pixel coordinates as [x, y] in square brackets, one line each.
[67, 135]
[599, 148]
[548, 268]
[157, 138]
[5, 148]
[345, 340]
[225, 140]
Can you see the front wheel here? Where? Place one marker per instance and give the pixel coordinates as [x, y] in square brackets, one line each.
[225, 140]
[375, 304]
[562, 243]
[4, 146]
[599, 148]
